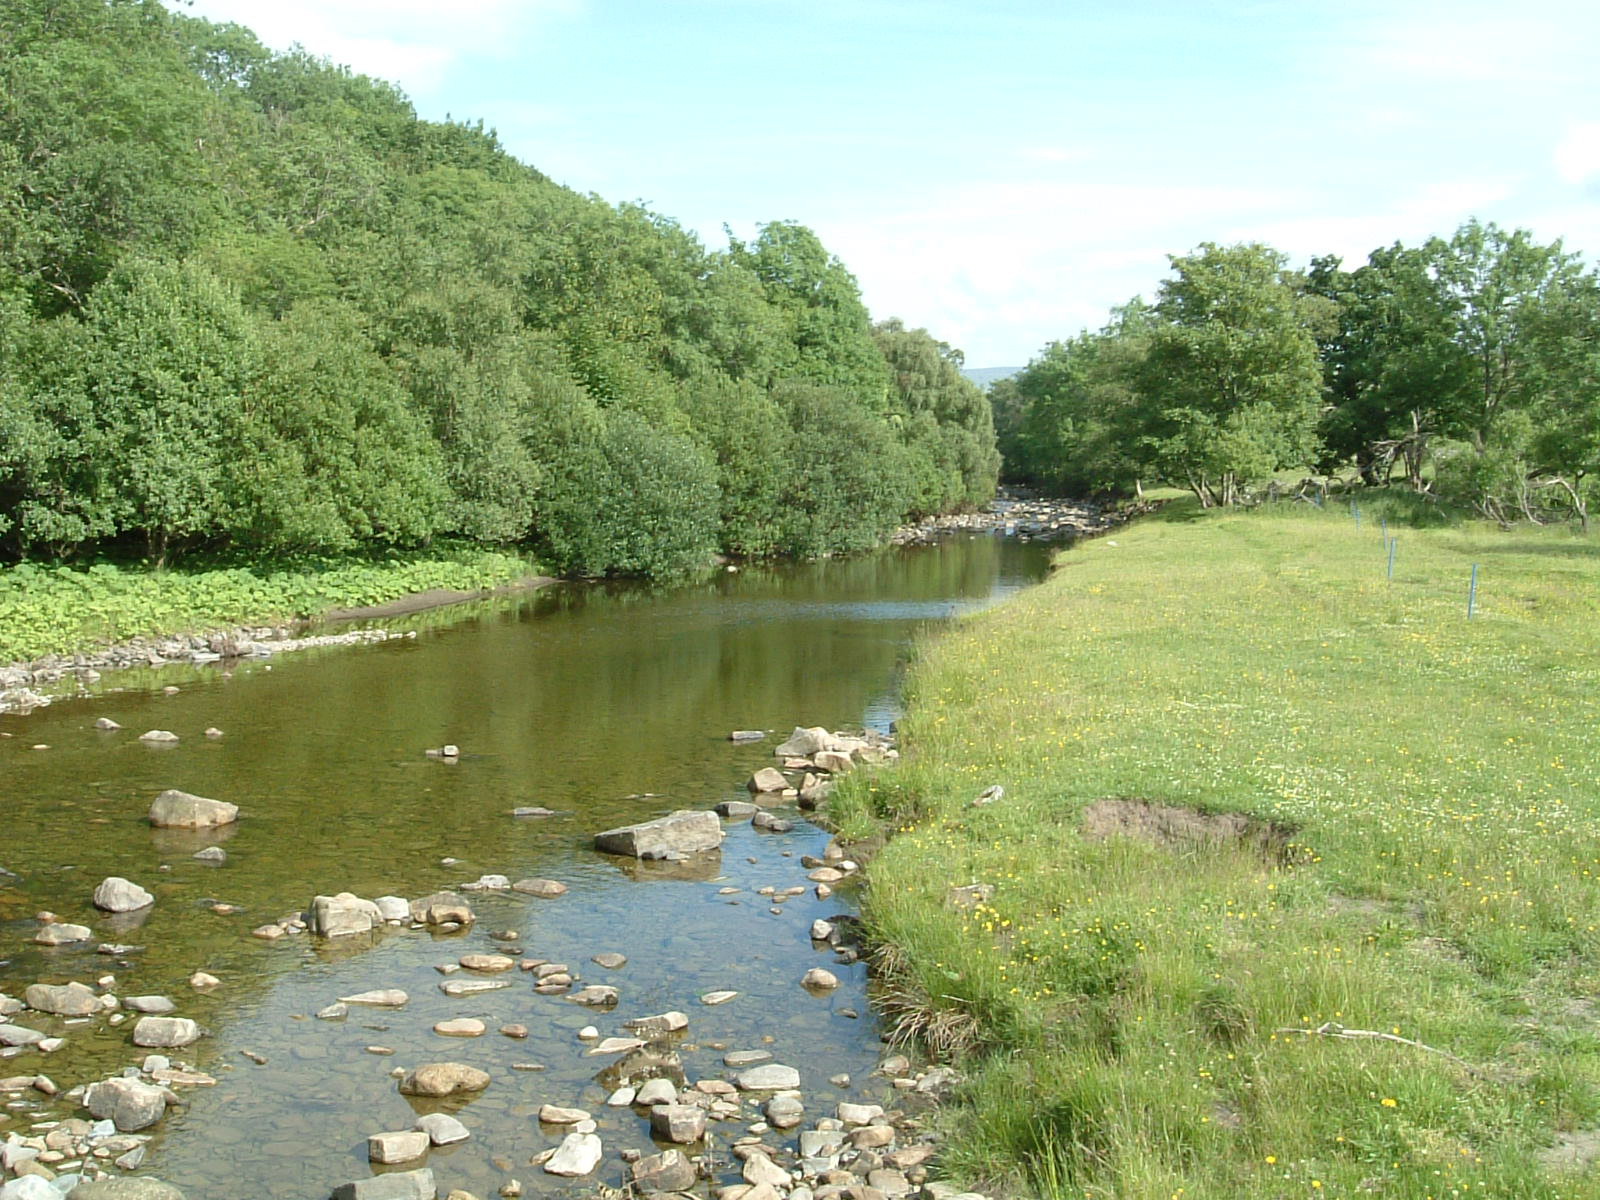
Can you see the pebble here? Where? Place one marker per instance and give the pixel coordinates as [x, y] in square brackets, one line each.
[717, 997]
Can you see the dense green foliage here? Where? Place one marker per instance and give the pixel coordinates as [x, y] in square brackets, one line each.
[1121, 1002]
[250, 300]
[1472, 365]
[62, 610]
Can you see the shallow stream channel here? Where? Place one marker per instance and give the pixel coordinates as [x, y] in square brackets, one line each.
[606, 704]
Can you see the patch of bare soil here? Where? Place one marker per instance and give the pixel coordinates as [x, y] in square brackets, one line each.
[1176, 827]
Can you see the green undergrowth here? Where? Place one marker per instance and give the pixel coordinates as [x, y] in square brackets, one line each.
[1128, 1010]
[63, 610]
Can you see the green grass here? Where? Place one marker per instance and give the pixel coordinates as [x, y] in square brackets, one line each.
[1120, 1004]
[64, 610]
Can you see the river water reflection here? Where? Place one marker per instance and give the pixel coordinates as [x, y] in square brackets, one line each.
[606, 704]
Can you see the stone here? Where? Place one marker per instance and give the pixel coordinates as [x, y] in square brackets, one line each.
[29, 1187]
[165, 1032]
[173, 809]
[821, 930]
[125, 1189]
[610, 960]
[443, 1079]
[740, 735]
[667, 1022]
[20, 1035]
[872, 1137]
[487, 962]
[771, 823]
[615, 1045]
[578, 1154]
[821, 1143]
[470, 987]
[717, 997]
[378, 998]
[64, 1000]
[118, 895]
[555, 1114]
[158, 737]
[545, 889]
[333, 1012]
[825, 875]
[657, 1091]
[515, 1030]
[804, 742]
[784, 1112]
[442, 1129]
[737, 809]
[62, 933]
[767, 779]
[533, 811]
[820, 978]
[681, 1123]
[461, 1027]
[622, 1097]
[488, 883]
[398, 1185]
[215, 855]
[769, 1077]
[106, 723]
[596, 995]
[441, 908]
[343, 915]
[833, 762]
[858, 1114]
[759, 1169]
[681, 833]
[127, 1103]
[397, 1147]
[669, 1171]
[213, 732]
[746, 1058]
[395, 910]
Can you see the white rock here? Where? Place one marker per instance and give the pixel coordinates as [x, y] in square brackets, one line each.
[397, 1147]
[578, 1154]
[442, 1129]
[116, 894]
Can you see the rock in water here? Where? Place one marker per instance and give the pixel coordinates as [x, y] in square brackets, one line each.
[681, 833]
[668, 1171]
[402, 1185]
[116, 894]
[158, 737]
[578, 1154]
[805, 742]
[165, 1032]
[343, 915]
[681, 1123]
[443, 1079]
[126, 1189]
[127, 1103]
[768, 779]
[397, 1147]
[442, 1129]
[440, 908]
[173, 809]
[60, 933]
[770, 1077]
[64, 1000]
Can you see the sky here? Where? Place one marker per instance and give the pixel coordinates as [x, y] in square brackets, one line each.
[1003, 172]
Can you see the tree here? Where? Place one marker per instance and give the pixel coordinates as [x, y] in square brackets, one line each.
[1231, 385]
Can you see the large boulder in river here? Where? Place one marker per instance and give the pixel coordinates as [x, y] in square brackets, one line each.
[343, 915]
[64, 1000]
[443, 1079]
[676, 835]
[128, 1103]
[142, 1188]
[803, 743]
[396, 1185]
[116, 894]
[179, 810]
[441, 908]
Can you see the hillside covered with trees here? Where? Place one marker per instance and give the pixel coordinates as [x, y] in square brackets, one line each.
[1468, 368]
[249, 300]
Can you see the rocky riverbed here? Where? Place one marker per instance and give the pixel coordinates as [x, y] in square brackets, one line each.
[1027, 518]
[670, 1108]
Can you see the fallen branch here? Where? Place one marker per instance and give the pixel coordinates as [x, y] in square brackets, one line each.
[1336, 1030]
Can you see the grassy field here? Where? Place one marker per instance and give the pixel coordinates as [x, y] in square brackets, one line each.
[65, 610]
[1389, 985]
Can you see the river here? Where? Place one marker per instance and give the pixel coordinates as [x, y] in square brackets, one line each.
[608, 704]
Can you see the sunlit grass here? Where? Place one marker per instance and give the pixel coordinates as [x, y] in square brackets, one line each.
[1125, 1002]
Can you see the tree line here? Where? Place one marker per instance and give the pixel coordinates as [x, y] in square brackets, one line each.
[250, 300]
[1465, 368]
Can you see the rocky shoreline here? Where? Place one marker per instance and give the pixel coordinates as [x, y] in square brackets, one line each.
[739, 1134]
[1015, 515]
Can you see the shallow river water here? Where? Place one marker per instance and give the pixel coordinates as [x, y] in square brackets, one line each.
[606, 704]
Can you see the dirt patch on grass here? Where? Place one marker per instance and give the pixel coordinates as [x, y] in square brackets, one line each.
[1181, 828]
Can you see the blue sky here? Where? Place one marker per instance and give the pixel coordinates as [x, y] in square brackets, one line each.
[1001, 173]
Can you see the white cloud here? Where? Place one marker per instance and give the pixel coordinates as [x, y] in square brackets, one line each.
[410, 42]
[1577, 155]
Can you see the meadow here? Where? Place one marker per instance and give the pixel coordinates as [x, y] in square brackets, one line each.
[67, 610]
[1385, 986]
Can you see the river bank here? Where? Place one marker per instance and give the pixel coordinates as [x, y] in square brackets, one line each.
[1227, 866]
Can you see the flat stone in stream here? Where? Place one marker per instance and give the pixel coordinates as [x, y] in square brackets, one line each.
[397, 1147]
[442, 908]
[679, 834]
[442, 1129]
[770, 1077]
[378, 998]
[125, 1189]
[545, 889]
[62, 933]
[578, 1154]
[173, 809]
[165, 1032]
[344, 915]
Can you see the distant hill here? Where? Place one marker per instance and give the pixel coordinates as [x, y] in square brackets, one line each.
[984, 376]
